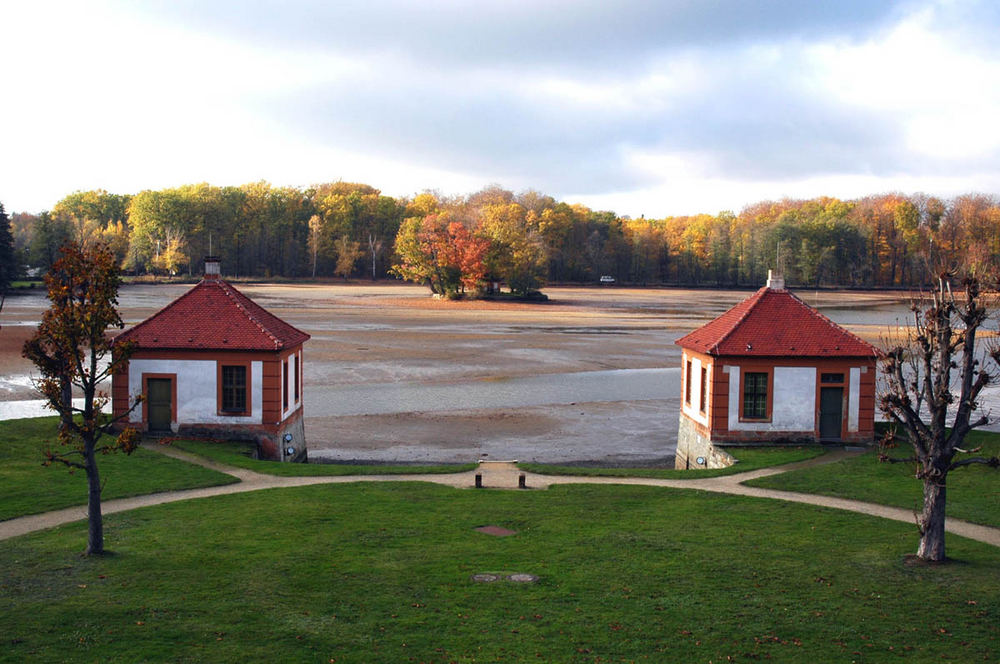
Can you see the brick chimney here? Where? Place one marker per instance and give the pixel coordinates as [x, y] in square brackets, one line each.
[213, 267]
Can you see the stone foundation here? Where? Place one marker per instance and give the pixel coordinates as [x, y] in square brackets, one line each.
[296, 429]
[270, 440]
[693, 445]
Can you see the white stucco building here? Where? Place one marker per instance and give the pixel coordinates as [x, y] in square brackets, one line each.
[772, 368]
[213, 363]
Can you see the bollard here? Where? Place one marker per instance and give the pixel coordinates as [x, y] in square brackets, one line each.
[521, 482]
[479, 480]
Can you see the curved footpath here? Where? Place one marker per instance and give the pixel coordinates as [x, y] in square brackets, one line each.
[496, 475]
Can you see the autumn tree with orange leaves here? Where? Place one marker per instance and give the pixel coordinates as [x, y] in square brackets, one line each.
[441, 253]
[69, 348]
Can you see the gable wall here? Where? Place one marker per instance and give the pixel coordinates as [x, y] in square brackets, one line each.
[197, 389]
[196, 385]
[287, 360]
[864, 377]
[791, 398]
[699, 414]
[793, 394]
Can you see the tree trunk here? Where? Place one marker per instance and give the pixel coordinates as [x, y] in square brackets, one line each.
[95, 522]
[66, 415]
[932, 520]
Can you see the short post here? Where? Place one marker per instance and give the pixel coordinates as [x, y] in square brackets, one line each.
[479, 480]
[521, 482]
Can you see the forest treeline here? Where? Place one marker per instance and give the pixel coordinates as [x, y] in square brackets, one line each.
[524, 240]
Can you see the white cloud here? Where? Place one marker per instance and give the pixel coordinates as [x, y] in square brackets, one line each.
[941, 93]
[647, 108]
[689, 191]
[111, 100]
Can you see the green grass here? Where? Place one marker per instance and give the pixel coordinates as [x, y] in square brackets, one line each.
[239, 454]
[973, 492]
[750, 458]
[30, 488]
[381, 572]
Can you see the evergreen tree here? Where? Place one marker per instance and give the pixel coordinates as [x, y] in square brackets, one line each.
[9, 269]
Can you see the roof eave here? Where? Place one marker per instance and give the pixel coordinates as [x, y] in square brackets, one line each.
[791, 356]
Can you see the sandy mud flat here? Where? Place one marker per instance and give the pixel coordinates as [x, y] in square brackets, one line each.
[390, 333]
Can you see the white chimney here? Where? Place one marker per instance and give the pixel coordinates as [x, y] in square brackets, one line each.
[775, 281]
[213, 267]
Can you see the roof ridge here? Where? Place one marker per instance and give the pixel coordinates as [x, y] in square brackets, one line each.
[231, 292]
[827, 319]
[750, 305]
[215, 315]
[773, 322]
[126, 333]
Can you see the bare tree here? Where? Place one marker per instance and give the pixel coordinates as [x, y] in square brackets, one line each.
[315, 239]
[920, 390]
[374, 246]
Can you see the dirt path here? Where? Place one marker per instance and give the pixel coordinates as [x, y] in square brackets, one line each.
[494, 475]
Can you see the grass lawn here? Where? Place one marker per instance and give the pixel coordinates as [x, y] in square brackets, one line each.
[30, 488]
[973, 492]
[750, 458]
[239, 455]
[371, 572]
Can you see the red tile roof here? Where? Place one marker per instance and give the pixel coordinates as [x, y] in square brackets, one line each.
[774, 323]
[214, 316]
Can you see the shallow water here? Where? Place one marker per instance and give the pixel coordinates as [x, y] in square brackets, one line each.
[407, 397]
[328, 394]
[547, 389]
[18, 410]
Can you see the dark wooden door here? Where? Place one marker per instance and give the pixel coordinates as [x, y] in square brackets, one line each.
[831, 412]
[159, 406]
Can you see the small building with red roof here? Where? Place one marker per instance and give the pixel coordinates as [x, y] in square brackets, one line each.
[772, 368]
[213, 363]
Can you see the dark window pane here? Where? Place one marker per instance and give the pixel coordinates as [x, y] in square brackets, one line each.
[295, 378]
[234, 389]
[687, 383]
[755, 396]
[704, 389]
[831, 378]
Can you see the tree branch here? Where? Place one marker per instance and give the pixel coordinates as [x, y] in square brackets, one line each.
[992, 462]
[885, 458]
[50, 457]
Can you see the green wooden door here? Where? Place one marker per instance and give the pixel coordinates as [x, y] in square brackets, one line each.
[831, 412]
[159, 406]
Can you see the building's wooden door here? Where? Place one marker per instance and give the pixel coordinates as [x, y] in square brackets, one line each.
[159, 406]
[831, 412]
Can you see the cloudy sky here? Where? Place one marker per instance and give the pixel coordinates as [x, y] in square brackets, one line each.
[654, 108]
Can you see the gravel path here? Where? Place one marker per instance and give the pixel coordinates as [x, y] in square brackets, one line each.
[495, 475]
